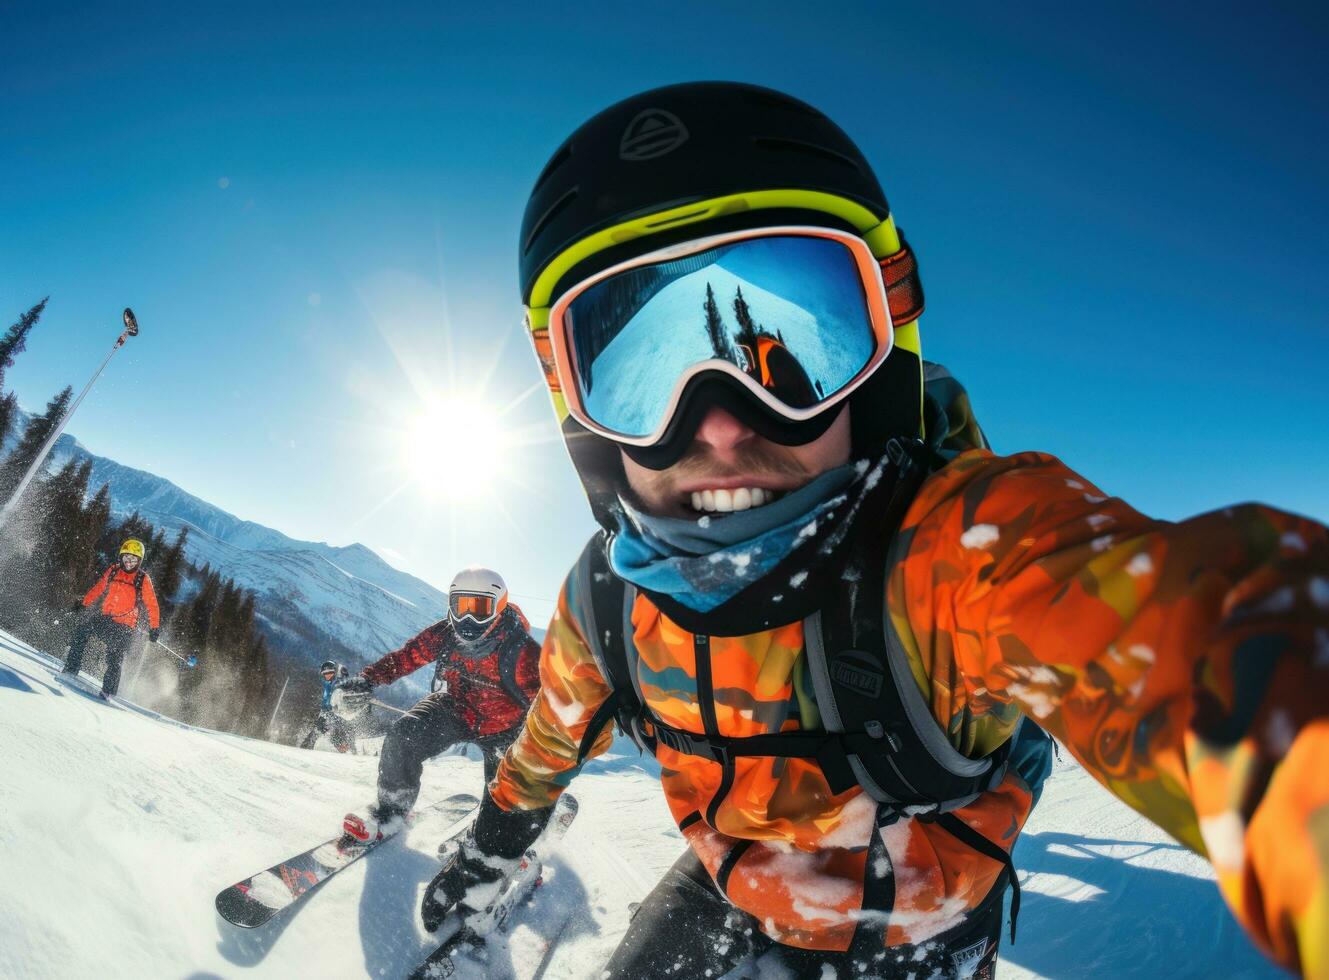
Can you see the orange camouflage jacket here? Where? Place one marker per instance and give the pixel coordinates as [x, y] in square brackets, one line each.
[1185, 665]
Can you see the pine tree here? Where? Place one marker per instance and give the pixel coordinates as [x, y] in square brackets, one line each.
[34, 434]
[8, 409]
[66, 547]
[133, 526]
[747, 330]
[169, 572]
[97, 518]
[715, 329]
[16, 339]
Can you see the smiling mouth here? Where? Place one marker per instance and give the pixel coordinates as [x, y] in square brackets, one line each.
[725, 501]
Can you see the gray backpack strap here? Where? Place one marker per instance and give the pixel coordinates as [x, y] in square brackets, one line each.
[606, 603]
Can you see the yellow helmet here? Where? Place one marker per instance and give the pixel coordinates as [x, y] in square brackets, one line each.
[133, 546]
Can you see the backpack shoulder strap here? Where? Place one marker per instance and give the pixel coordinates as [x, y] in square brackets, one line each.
[509, 654]
[108, 577]
[604, 608]
[863, 683]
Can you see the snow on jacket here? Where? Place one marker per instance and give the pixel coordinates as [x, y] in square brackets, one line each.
[1185, 665]
[115, 595]
[490, 683]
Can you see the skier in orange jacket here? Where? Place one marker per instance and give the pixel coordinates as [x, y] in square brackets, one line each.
[113, 606]
[833, 617]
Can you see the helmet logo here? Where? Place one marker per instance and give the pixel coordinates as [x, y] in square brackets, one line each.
[652, 133]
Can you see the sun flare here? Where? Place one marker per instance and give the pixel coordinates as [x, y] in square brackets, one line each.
[455, 447]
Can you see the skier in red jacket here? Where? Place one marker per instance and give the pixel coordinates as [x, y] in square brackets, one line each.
[116, 599]
[486, 674]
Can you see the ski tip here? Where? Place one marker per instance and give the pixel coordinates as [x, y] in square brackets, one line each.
[457, 799]
[240, 910]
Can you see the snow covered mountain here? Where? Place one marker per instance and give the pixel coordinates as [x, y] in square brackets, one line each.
[315, 600]
[118, 828]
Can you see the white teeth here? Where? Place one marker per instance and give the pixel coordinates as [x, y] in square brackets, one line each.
[725, 501]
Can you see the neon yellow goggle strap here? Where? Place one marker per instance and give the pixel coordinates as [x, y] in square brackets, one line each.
[880, 235]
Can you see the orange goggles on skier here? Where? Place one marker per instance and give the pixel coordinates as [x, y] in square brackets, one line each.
[480, 608]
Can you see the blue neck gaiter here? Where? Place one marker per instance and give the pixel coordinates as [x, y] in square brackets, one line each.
[703, 563]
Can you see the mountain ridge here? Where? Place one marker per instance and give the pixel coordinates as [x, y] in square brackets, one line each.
[315, 599]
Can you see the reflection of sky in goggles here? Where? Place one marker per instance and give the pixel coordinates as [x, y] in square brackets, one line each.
[479, 607]
[788, 312]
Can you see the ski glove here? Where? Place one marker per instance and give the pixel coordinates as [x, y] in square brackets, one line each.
[355, 693]
[153, 634]
[474, 875]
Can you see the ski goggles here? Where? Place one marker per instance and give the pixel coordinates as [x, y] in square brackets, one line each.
[797, 315]
[480, 608]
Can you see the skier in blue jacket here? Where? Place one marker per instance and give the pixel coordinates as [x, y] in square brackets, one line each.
[328, 721]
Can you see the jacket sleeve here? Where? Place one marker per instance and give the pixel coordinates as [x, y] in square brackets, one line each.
[1185, 665]
[150, 603]
[421, 649]
[543, 759]
[98, 587]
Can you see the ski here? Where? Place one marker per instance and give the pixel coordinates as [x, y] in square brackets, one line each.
[84, 688]
[461, 954]
[252, 902]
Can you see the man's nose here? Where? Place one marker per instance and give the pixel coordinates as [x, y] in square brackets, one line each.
[723, 434]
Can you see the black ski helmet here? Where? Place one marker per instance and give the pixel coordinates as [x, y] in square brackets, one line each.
[685, 143]
[329, 666]
[718, 146]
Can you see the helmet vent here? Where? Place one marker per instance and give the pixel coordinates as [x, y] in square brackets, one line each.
[798, 146]
[558, 159]
[777, 100]
[553, 212]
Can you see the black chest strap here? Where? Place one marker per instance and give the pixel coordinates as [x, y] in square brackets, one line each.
[112, 572]
[510, 649]
[878, 732]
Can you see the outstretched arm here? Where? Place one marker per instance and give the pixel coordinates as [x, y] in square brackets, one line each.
[421, 649]
[1185, 665]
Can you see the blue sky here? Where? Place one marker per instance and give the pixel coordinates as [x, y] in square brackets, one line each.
[1119, 215]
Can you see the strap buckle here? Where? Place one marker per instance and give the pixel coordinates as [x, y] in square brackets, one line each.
[689, 743]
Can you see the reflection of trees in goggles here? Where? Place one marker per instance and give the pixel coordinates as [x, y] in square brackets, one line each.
[788, 311]
[478, 607]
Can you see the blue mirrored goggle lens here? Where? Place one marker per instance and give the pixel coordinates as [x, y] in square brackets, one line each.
[789, 311]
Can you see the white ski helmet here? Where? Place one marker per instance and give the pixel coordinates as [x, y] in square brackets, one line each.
[476, 600]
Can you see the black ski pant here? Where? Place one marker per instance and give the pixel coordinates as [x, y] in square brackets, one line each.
[117, 639]
[431, 727]
[686, 928]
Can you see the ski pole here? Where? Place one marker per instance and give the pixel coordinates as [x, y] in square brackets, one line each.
[131, 330]
[189, 661]
[388, 706]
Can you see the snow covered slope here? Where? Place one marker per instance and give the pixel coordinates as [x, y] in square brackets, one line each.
[117, 830]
